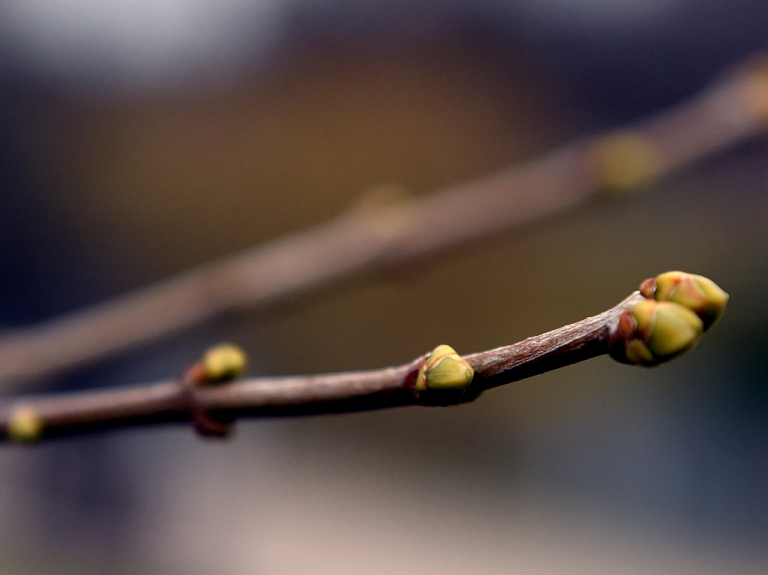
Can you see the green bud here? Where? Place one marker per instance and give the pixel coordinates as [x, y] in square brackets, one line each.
[224, 362]
[697, 293]
[24, 425]
[654, 332]
[444, 369]
[669, 329]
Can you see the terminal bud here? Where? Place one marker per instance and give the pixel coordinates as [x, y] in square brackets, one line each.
[697, 293]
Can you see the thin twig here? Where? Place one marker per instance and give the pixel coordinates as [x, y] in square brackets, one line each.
[727, 113]
[176, 401]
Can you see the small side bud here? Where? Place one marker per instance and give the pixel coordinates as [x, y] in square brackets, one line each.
[697, 293]
[224, 362]
[444, 369]
[24, 425]
[654, 332]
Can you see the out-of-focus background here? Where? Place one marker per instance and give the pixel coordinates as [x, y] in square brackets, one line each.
[139, 138]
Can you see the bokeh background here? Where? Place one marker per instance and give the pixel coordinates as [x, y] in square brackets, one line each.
[139, 138]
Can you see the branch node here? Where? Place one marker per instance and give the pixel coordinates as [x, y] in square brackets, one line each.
[221, 363]
[679, 307]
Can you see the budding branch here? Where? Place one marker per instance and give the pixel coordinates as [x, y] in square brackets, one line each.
[176, 401]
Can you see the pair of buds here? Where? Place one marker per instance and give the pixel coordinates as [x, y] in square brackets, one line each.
[678, 308]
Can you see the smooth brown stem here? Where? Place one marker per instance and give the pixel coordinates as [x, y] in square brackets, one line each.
[177, 401]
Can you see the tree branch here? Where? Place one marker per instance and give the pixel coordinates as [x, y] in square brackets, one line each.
[661, 320]
[180, 400]
[364, 239]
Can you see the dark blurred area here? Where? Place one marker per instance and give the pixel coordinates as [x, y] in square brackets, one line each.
[139, 139]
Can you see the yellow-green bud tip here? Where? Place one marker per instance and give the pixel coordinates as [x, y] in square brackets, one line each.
[655, 332]
[444, 369]
[24, 425]
[697, 293]
[224, 362]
